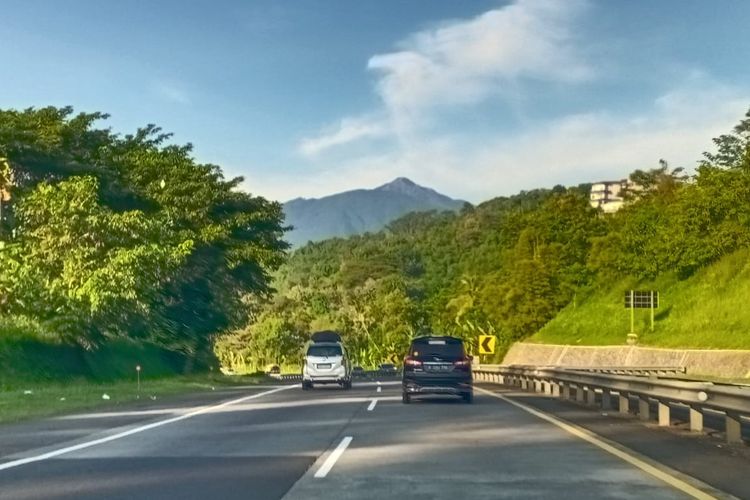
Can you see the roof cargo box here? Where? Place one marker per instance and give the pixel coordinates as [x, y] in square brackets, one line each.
[326, 336]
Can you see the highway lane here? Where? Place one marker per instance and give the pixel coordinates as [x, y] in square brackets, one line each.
[275, 444]
[252, 449]
[443, 448]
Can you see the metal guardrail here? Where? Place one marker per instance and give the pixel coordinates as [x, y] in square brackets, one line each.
[585, 385]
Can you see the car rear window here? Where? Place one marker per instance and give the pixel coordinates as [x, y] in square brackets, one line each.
[443, 348]
[324, 350]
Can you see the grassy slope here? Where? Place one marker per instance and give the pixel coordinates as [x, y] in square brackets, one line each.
[44, 399]
[40, 376]
[708, 310]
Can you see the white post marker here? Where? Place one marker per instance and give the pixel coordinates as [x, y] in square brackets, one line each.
[333, 458]
[372, 405]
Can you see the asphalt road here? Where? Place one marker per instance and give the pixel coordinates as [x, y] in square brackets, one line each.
[327, 443]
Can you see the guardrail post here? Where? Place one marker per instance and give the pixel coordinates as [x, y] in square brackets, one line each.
[524, 383]
[733, 428]
[591, 396]
[566, 391]
[624, 403]
[555, 389]
[644, 408]
[664, 411]
[579, 393]
[696, 419]
[606, 400]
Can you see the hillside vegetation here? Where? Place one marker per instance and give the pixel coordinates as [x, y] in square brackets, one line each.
[119, 249]
[710, 309]
[509, 266]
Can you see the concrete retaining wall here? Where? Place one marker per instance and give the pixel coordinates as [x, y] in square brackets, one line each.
[716, 363]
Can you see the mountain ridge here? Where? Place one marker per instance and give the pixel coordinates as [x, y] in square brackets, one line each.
[360, 210]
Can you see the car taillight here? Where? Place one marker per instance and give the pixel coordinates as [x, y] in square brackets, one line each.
[411, 362]
[463, 364]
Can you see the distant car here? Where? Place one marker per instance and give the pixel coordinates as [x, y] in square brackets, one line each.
[437, 365]
[326, 362]
[358, 371]
[388, 369]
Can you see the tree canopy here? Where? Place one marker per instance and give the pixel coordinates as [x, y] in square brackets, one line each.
[106, 235]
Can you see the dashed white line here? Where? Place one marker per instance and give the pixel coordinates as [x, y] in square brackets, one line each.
[372, 405]
[89, 444]
[333, 458]
[380, 388]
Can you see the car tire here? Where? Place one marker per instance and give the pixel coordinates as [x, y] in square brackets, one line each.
[347, 385]
[468, 397]
[405, 398]
[306, 386]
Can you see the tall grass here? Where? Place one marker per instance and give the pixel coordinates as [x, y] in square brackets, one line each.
[29, 354]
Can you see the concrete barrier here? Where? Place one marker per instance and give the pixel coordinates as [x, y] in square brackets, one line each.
[698, 362]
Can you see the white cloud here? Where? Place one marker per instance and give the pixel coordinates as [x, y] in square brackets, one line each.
[171, 91]
[466, 62]
[677, 126]
[348, 130]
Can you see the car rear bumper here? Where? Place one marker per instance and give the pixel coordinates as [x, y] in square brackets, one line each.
[324, 380]
[443, 385]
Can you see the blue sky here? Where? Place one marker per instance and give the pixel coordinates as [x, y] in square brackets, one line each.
[476, 99]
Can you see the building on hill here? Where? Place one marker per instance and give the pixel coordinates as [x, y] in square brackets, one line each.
[609, 195]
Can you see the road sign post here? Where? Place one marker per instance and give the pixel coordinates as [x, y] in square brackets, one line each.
[635, 299]
[652, 310]
[486, 344]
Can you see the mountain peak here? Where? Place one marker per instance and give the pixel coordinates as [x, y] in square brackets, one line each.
[400, 185]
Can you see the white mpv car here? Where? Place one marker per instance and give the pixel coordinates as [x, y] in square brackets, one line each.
[326, 362]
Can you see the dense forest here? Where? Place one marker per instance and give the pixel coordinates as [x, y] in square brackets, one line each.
[106, 236]
[505, 267]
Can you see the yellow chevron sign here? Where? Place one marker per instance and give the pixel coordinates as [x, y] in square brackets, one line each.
[486, 344]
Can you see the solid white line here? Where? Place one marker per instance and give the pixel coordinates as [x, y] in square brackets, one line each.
[136, 430]
[372, 405]
[592, 438]
[333, 458]
[379, 388]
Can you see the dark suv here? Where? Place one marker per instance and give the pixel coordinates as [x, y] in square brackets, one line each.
[437, 365]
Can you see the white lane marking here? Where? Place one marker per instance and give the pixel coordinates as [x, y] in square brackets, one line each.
[136, 430]
[378, 382]
[333, 458]
[592, 438]
[372, 405]
[380, 389]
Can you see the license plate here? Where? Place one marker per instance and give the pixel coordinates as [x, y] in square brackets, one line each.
[438, 368]
[324, 365]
